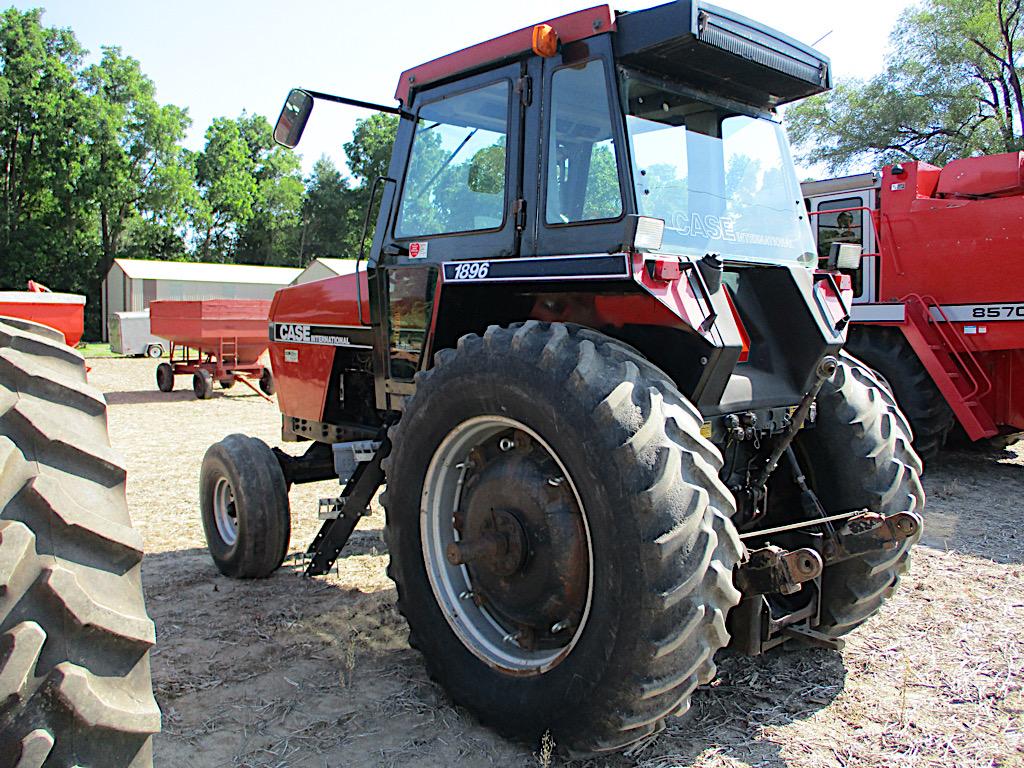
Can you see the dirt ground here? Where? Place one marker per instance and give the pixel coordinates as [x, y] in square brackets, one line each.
[292, 672]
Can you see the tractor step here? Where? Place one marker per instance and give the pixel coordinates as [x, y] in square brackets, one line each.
[353, 504]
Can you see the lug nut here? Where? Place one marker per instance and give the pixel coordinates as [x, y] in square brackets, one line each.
[560, 626]
[555, 481]
[506, 444]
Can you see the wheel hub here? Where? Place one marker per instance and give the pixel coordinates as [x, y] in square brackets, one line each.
[522, 540]
[506, 545]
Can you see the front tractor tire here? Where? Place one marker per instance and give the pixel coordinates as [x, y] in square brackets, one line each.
[560, 541]
[859, 456]
[75, 686]
[243, 500]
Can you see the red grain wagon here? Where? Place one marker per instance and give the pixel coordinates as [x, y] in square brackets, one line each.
[222, 340]
[63, 312]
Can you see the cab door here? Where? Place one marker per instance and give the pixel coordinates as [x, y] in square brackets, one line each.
[844, 217]
[455, 194]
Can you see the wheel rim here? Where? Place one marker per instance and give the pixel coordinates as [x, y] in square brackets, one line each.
[506, 545]
[224, 512]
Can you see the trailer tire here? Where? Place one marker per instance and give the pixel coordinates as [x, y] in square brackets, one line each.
[267, 382]
[243, 500]
[887, 351]
[226, 383]
[654, 514]
[75, 685]
[165, 377]
[154, 351]
[202, 384]
[859, 455]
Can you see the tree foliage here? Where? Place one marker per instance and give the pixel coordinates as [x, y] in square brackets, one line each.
[952, 88]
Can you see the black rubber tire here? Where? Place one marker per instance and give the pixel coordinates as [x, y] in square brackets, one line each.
[261, 506]
[887, 351]
[659, 517]
[226, 383]
[165, 377]
[859, 455]
[154, 351]
[75, 686]
[202, 384]
[267, 382]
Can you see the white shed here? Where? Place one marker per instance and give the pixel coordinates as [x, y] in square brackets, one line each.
[131, 284]
[319, 269]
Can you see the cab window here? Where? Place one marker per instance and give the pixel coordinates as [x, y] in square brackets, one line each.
[582, 176]
[457, 171]
[840, 227]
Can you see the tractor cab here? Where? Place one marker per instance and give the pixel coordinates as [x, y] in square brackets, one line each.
[613, 170]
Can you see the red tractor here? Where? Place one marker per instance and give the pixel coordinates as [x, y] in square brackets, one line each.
[593, 363]
[938, 308]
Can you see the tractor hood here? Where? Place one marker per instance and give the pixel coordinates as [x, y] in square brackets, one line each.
[721, 52]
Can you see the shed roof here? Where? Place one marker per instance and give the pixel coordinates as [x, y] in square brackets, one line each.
[202, 272]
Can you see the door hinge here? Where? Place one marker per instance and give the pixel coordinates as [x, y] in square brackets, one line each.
[519, 213]
[524, 87]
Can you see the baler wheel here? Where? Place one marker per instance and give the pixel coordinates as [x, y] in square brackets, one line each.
[859, 455]
[165, 377]
[202, 384]
[75, 686]
[887, 351]
[244, 504]
[559, 537]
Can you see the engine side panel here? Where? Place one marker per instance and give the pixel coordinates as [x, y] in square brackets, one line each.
[309, 323]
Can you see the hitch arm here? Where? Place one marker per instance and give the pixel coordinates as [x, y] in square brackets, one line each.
[826, 368]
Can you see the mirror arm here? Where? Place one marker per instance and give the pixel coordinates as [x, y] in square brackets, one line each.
[356, 103]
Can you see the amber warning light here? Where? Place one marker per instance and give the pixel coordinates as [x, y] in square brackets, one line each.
[545, 40]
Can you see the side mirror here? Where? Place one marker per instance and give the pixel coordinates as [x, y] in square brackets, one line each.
[292, 120]
[844, 256]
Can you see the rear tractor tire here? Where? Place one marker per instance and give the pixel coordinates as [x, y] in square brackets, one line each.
[887, 351]
[202, 384]
[559, 537]
[244, 504]
[859, 455]
[75, 685]
[165, 377]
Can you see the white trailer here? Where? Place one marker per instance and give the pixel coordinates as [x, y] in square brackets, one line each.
[130, 335]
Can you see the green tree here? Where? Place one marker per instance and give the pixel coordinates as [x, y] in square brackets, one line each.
[952, 89]
[227, 189]
[43, 220]
[369, 156]
[325, 208]
[137, 172]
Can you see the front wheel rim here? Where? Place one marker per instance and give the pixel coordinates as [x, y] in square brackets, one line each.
[225, 514]
[483, 631]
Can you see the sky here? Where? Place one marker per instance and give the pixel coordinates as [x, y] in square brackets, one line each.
[219, 57]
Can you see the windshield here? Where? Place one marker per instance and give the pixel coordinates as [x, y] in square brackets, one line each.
[723, 182]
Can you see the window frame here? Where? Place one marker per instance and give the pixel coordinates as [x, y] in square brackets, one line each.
[476, 84]
[614, 120]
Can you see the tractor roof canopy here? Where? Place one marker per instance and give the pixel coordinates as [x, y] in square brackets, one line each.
[701, 45]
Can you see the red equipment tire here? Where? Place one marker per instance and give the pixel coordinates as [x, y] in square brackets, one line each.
[887, 351]
[267, 382]
[165, 377]
[202, 384]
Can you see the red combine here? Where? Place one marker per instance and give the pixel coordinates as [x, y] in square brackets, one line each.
[592, 361]
[222, 340]
[939, 305]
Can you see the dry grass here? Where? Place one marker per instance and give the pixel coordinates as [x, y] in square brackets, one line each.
[289, 672]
